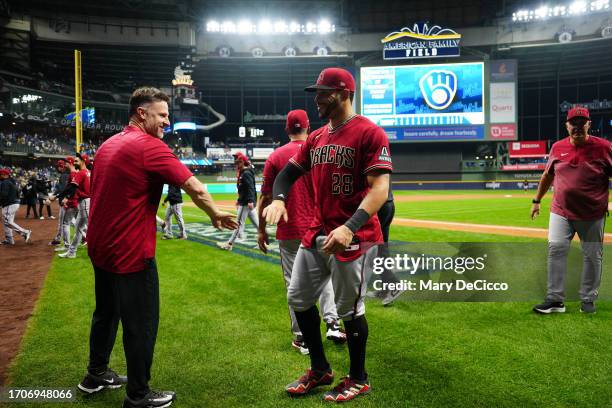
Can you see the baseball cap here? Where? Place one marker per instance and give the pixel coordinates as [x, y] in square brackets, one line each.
[5, 172]
[578, 112]
[70, 160]
[331, 79]
[297, 119]
[84, 157]
[241, 156]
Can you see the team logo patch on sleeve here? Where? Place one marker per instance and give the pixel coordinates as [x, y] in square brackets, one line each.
[384, 155]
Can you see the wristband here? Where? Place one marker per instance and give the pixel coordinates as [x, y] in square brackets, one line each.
[534, 201]
[357, 220]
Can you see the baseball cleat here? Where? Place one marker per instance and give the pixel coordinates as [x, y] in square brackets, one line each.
[62, 248]
[347, 390]
[41, 218]
[52, 217]
[7, 243]
[167, 236]
[308, 381]
[587, 307]
[94, 383]
[335, 333]
[549, 307]
[67, 255]
[225, 245]
[391, 297]
[300, 345]
[154, 399]
[27, 235]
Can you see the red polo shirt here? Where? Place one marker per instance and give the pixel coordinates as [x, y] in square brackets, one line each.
[581, 178]
[126, 185]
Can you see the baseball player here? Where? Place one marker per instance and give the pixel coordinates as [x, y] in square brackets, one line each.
[301, 208]
[30, 196]
[247, 197]
[42, 188]
[349, 162]
[70, 203]
[59, 187]
[9, 201]
[80, 188]
[175, 197]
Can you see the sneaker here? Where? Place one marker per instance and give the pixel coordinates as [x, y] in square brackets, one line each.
[587, 307]
[7, 243]
[347, 390]
[55, 242]
[27, 235]
[300, 345]
[167, 236]
[52, 217]
[225, 245]
[67, 255]
[62, 248]
[94, 383]
[335, 333]
[41, 218]
[308, 381]
[391, 297]
[154, 399]
[549, 307]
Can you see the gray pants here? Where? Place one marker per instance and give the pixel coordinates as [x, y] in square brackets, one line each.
[8, 219]
[560, 233]
[177, 211]
[312, 270]
[67, 219]
[81, 225]
[60, 223]
[288, 252]
[243, 213]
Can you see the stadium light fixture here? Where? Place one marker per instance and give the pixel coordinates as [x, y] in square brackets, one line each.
[574, 8]
[266, 27]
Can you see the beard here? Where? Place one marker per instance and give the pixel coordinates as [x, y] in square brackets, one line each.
[327, 110]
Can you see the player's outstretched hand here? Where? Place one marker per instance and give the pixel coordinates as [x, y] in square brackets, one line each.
[535, 211]
[338, 240]
[224, 220]
[263, 241]
[274, 212]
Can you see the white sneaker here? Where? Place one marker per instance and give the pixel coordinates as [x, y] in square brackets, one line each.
[52, 217]
[41, 218]
[61, 248]
[67, 255]
[225, 245]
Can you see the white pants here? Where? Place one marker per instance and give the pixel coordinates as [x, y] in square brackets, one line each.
[81, 225]
[8, 219]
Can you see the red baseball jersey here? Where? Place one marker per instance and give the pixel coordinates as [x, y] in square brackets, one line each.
[82, 181]
[299, 203]
[72, 202]
[126, 184]
[339, 161]
[581, 178]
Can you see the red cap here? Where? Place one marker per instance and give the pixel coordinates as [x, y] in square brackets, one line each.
[241, 156]
[297, 119]
[70, 160]
[5, 172]
[84, 157]
[331, 79]
[578, 112]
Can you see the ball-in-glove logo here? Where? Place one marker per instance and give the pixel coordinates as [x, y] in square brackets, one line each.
[438, 88]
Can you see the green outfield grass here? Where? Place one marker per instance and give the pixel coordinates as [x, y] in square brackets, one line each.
[224, 341]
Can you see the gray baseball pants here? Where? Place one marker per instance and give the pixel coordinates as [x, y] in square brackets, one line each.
[560, 233]
[313, 269]
[241, 216]
[80, 229]
[177, 211]
[288, 252]
[8, 219]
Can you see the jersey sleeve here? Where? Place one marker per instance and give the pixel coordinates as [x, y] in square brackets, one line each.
[302, 158]
[162, 164]
[269, 174]
[376, 154]
[552, 159]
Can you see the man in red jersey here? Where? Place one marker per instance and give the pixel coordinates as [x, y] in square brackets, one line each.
[126, 186]
[300, 207]
[579, 167]
[68, 200]
[80, 192]
[349, 162]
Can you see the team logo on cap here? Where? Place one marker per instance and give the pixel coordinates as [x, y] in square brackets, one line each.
[438, 88]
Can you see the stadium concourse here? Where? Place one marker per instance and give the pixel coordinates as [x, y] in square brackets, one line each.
[444, 167]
